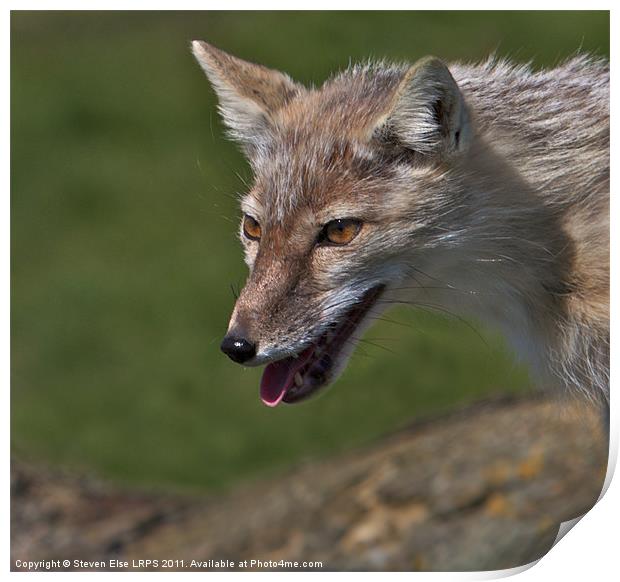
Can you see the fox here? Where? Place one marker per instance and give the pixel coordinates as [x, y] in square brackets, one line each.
[481, 189]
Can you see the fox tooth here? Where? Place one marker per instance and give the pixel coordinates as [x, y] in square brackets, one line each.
[298, 379]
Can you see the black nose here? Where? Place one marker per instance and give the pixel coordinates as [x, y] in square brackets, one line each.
[238, 349]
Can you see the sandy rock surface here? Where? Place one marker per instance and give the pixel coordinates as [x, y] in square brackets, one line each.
[482, 489]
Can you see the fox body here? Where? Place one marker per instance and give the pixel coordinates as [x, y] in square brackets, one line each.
[480, 189]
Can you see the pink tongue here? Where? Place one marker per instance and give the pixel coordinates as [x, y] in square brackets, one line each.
[279, 376]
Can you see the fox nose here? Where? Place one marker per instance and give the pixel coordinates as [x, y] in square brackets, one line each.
[238, 349]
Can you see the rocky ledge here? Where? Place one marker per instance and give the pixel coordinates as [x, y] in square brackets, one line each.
[482, 489]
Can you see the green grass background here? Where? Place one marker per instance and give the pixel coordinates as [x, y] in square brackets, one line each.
[124, 247]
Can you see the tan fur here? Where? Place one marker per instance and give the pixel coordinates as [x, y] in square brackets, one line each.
[483, 189]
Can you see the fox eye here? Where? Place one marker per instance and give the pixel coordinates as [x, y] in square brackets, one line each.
[340, 231]
[251, 228]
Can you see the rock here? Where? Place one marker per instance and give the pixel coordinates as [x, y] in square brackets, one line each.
[483, 489]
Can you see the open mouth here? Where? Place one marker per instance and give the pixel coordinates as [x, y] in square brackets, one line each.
[297, 377]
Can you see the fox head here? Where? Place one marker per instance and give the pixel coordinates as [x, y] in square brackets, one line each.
[350, 192]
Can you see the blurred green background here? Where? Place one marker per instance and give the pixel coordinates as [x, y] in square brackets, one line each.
[124, 245]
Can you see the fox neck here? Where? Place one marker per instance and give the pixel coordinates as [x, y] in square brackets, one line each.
[505, 263]
[500, 297]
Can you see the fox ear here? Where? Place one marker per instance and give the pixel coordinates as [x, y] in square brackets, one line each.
[249, 94]
[427, 114]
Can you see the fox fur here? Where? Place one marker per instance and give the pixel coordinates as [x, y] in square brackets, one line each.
[483, 189]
